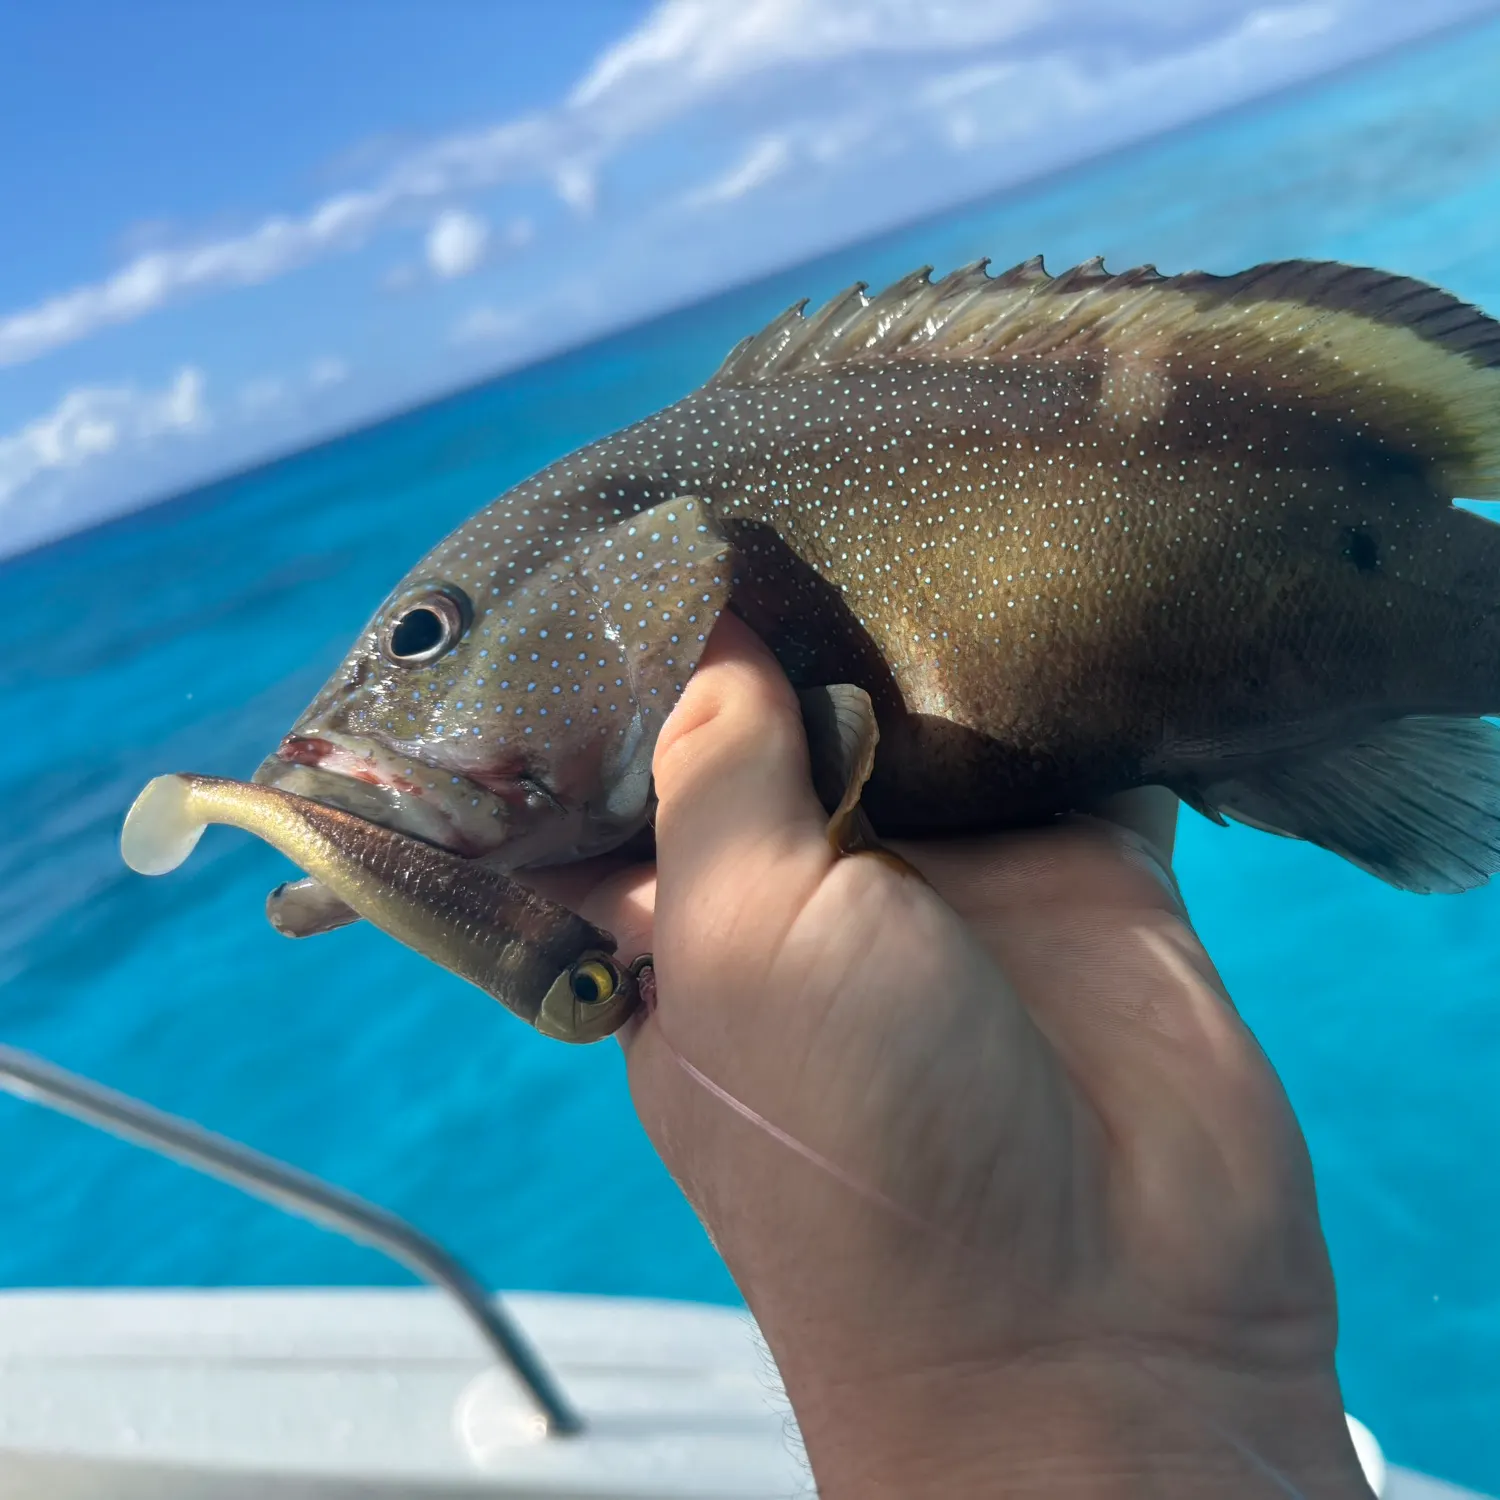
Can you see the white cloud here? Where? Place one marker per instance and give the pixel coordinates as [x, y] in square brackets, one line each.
[328, 371]
[577, 185]
[456, 242]
[151, 281]
[485, 324]
[260, 395]
[88, 425]
[274, 393]
[767, 158]
[848, 83]
[1001, 103]
[687, 47]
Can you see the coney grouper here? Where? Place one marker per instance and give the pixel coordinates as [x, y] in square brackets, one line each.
[1029, 540]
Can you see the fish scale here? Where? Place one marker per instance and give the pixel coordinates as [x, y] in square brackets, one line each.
[1068, 534]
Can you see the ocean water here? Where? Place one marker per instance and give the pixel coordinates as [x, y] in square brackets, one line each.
[188, 636]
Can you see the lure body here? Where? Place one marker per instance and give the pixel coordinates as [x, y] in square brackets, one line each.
[550, 967]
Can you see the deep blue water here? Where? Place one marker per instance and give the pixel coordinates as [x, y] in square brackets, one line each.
[188, 636]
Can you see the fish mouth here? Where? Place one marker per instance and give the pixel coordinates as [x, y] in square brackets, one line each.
[411, 796]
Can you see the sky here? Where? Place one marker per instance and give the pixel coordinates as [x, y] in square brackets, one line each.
[228, 230]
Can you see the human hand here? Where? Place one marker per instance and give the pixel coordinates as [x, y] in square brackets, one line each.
[1049, 1223]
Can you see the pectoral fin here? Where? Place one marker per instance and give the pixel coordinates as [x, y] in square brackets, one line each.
[841, 739]
[1416, 803]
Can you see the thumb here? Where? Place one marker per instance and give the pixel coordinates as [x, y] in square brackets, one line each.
[738, 825]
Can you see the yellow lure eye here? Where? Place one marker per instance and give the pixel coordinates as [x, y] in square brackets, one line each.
[594, 982]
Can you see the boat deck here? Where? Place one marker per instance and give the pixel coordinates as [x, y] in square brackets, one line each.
[327, 1394]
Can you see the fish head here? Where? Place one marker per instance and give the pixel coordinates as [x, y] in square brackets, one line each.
[506, 703]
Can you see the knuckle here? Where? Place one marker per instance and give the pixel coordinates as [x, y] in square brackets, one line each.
[725, 712]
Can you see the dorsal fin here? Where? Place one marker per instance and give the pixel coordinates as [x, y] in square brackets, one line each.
[1413, 365]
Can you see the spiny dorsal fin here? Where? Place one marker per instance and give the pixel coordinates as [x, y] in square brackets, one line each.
[1412, 364]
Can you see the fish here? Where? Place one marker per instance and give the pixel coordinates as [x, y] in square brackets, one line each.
[552, 968]
[1054, 536]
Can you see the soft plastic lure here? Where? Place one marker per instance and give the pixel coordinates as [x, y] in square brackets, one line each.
[547, 965]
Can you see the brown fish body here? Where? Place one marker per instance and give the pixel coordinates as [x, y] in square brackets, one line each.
[1044, 609]
[1071, 535]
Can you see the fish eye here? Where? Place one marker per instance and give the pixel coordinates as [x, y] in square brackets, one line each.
[593, 982]
[426, 625]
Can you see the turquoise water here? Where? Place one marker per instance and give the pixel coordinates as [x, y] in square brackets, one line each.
[188, 636]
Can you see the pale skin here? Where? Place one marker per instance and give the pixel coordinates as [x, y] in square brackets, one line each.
[1061, 1239]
